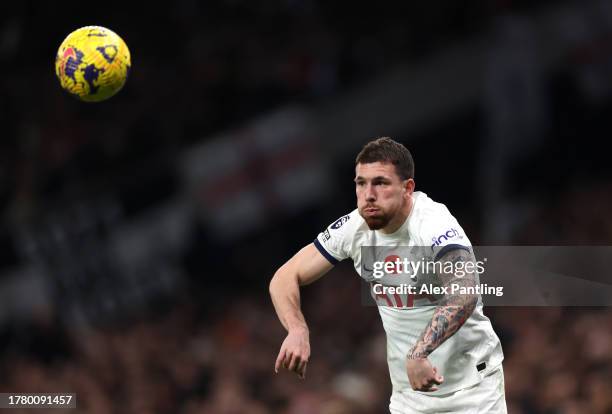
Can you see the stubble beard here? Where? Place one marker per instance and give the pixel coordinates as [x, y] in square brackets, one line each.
[377, 222]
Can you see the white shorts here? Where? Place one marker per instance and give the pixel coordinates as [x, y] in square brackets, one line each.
[488, 396]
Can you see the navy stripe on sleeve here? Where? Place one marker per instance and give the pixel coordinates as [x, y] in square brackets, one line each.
[325, 253]
[450, 247]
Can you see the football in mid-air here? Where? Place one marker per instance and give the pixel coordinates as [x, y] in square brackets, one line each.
[92, 63]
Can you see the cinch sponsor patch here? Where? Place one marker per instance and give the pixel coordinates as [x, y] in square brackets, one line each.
[449, 234]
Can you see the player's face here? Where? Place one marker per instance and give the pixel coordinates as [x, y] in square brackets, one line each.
[382, 196]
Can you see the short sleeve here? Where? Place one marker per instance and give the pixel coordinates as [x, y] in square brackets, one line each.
[444, 234]
[332, 241]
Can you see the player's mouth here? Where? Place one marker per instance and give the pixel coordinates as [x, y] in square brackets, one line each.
[370, 211]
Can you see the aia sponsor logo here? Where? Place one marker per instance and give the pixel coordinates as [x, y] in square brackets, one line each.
[338, 223]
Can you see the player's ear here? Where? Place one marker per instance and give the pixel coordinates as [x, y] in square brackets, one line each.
[409, 186]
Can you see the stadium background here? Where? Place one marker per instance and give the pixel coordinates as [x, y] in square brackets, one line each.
[138, 235]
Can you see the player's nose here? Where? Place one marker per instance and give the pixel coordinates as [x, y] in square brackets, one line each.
[370, 194]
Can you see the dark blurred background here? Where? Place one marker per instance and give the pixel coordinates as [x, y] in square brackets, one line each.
[138, 235]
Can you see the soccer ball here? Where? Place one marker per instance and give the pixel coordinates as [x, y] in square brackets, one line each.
[92, 63]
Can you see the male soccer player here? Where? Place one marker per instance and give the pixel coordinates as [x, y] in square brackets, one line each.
[442, 352]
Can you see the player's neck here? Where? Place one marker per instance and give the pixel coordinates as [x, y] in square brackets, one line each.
[397, 221]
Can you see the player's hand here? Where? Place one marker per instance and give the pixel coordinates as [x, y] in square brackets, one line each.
[294, 352]
[422, 375]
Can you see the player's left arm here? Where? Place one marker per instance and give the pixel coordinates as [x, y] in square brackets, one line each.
[455, 308]
[448, 317]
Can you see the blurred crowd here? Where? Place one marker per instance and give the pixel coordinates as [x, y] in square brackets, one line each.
[213, 350]
[198, 68]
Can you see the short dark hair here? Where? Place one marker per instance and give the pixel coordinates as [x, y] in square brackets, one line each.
[386, 150]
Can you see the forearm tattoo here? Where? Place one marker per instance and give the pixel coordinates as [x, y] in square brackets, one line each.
[453, 311]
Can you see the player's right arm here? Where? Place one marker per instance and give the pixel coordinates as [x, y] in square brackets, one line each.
[302, 269]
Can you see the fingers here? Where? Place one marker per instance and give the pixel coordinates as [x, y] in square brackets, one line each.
[292, 362]
[431, 384]
[298, 365]
[437, 379]
[428, 383]
[279, 359]
[425, 388]
[301, 369]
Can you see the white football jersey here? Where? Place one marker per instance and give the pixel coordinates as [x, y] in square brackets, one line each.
[466, 357]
